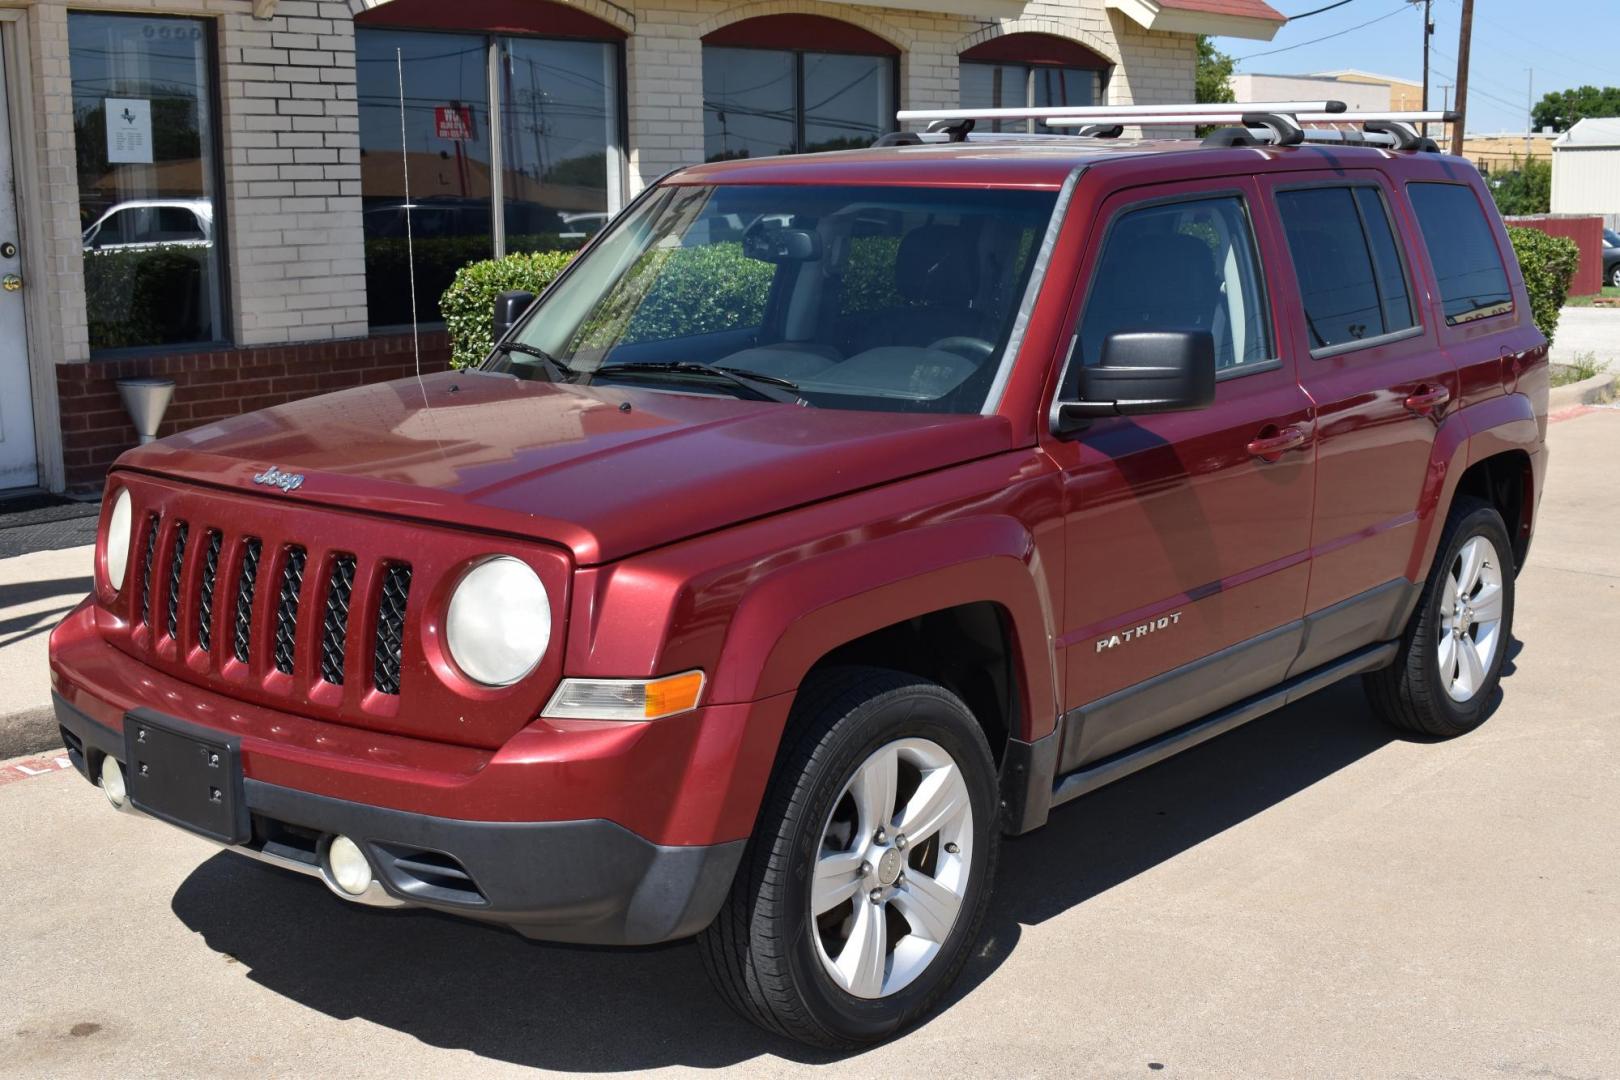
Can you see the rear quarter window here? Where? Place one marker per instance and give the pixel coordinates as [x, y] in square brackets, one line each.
[1462, 247]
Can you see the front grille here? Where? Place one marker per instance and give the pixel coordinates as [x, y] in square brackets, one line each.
[246, 582]
[177, 557]
[205, 603]
[396, 590]
[335, 623]
[292, 585]
[146, 569]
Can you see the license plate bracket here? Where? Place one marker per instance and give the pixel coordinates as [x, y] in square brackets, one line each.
[187, 775]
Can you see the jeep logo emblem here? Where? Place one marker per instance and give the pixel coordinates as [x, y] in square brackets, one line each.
[274, 477]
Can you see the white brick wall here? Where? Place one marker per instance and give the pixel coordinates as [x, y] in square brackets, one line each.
[290, 128]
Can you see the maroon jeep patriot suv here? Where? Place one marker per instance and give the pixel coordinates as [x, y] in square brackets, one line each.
[830, 518]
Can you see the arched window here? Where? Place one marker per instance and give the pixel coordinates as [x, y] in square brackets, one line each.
[538, 168]
[1021, 70]
[789, 84]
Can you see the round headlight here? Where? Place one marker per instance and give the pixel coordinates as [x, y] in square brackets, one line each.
[499, 623]
[119, 523]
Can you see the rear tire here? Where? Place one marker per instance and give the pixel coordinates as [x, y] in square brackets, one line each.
[1450, 657]
[818, 880]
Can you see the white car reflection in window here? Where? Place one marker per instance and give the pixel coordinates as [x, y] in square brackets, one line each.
[152, 223]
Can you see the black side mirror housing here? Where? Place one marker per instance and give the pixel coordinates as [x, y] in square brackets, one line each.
[509, 308]
[1143, 371]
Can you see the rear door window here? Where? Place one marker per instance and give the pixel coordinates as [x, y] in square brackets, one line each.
[1467, 263]
[1352, 281]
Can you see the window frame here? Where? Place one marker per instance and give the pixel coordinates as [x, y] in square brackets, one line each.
[1418, 328]
[1508, 307]
[798, 83]
[1272, 363]
[225, 332]
[1099, 87]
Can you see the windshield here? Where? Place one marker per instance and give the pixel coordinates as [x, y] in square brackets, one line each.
[881, 298]
[1611, 238]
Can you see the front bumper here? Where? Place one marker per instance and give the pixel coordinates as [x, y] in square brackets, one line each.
[581, 881]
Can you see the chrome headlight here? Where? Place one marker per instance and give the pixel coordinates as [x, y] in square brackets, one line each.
[499, 622]
[119, 524]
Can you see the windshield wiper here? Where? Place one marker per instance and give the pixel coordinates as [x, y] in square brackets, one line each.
[559, 371]
[763, 387]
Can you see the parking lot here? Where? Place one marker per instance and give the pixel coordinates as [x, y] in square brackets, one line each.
[1308, 896]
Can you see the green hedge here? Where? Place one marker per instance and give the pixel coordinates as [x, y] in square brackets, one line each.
[146, 296]
[1548, 264]
[468, 305]
[700, 290]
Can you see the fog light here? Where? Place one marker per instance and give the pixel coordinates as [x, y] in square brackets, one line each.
[348, 866]
[112, 782]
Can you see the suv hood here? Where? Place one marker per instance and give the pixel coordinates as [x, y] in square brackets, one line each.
[605, 471]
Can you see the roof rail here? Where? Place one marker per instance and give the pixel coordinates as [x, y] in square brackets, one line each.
[1129, 114]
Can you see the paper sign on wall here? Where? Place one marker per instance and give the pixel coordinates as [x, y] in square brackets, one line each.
[129, 131]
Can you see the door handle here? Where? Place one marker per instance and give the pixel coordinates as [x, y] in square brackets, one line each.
[1272, 443]
[1428, 399]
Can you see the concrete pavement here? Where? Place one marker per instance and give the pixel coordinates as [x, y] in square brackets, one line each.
[1309, 896]
[36, 590]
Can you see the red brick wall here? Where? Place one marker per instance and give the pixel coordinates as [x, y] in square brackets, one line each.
[211, 386]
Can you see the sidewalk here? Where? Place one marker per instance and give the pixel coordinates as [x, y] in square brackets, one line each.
[36, 590]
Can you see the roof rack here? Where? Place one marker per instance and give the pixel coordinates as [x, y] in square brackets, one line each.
[1262, 123]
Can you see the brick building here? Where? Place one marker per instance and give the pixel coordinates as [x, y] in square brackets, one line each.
[216, 190]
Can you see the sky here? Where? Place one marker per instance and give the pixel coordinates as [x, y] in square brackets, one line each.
[1544, 45]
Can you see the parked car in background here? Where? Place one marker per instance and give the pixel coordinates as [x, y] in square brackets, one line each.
[1611, 258]
[151, 223]
[829, 518]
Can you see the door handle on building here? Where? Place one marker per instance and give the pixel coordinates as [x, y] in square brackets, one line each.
[11, 283]
[1271, 443]
[1428, 399]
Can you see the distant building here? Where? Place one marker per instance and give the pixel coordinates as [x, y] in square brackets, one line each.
[1404, 94]
[1586, 169]
[1504, 150]
[1357, 97]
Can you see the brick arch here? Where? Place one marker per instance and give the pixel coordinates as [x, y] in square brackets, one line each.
[1101, 46]
[898, 37]
[618, 17]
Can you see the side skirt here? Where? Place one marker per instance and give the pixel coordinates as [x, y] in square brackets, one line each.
[1028, 790]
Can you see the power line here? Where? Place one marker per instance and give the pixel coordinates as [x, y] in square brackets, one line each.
[1324, 37]
[1318, 11]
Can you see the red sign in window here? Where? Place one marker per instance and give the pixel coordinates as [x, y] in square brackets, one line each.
[454, 122]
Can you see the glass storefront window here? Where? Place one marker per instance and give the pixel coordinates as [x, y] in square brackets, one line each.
[147, 160]
[447, 148]
[763, 102]
[560, 127]
[1017, 86]
[555, 130]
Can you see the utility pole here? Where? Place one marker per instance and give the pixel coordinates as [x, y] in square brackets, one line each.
[1529, 108]
[1464, 40]
[1428, 30]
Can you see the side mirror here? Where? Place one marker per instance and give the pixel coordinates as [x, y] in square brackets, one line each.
[1143, 371]
[509, 308]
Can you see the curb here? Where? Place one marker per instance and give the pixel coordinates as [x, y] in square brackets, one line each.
[30, 730]
[1598, 390]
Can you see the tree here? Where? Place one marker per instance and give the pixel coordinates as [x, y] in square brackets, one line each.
[1523, 188]
[1213, 82]
[1561, 109]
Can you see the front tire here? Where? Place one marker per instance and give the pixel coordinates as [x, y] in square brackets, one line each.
[1451, 655]
[869, 873]
[1614, 275]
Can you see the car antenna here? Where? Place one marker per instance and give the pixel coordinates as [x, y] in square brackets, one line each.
[410, 238]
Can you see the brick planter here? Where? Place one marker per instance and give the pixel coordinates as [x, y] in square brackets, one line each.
[212, 386]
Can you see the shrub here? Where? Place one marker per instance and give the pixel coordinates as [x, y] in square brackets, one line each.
[146, 296]
[1548, 264]
[468, 305]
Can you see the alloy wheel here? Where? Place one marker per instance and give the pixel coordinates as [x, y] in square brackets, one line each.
[1470, 618]
[892, 869]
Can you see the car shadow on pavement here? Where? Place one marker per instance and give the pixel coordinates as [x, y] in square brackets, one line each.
[456, 984]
